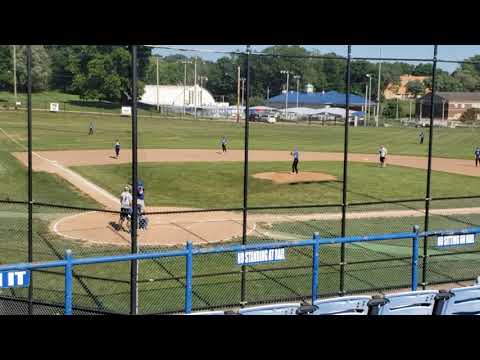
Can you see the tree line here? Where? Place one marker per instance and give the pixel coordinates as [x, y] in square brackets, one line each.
[102, 72]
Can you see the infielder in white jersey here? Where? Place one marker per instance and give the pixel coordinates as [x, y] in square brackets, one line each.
[383, 154]
[125, 206]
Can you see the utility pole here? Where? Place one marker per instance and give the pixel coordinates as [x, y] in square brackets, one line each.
[238, 94]
[268, 93]
[15, 75]
[158, 88]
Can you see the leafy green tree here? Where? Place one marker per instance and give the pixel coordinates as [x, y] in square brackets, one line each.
[424, 69]
[104, 72]
[61, 78]
[444, 82]
[415, 87]
[41, 67]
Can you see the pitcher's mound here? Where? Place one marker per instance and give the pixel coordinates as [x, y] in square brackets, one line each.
[289, 178]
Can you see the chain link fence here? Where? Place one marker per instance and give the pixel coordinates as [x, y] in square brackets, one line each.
[275, 97]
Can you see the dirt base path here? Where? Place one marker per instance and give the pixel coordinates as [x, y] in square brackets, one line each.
[205, 228]
[106, 157]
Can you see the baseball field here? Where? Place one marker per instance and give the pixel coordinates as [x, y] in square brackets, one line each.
[182, 167]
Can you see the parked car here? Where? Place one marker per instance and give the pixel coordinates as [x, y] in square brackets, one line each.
[270, 118]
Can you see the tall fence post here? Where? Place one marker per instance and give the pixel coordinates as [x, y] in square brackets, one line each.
[30, 175]
[429, 172]
[68, 282]
[315, 259]
[245, 175]
[345, 172]
[415, 242]
[188, 278]
[133, 223]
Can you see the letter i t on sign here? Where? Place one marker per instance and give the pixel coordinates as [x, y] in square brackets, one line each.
[13, 279]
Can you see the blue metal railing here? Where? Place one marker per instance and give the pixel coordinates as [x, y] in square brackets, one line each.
[189, 252]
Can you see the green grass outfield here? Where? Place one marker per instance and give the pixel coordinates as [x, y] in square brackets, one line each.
[70, 131]
[220, 184]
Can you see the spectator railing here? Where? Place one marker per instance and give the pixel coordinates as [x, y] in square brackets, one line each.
[69, 262]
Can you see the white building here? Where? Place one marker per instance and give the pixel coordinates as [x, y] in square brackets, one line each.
[172, 95]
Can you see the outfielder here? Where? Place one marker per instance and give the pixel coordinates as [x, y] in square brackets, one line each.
[477, 156]
[92, 127]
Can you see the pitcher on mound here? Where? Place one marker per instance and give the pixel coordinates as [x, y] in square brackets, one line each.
[295, 161]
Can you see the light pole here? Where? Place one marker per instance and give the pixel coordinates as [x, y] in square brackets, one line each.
[365, 106]
[268, 93]
[378, 90]
[397, 109]
[443, 110]
[297, 77]
[243, 90]
[158, 86]
[238, 94]
[369, 94]
[15, 75]
[410, 111]
[286, 94]
[195, 87]
[185, 62]
[202, 79]
[421, 103]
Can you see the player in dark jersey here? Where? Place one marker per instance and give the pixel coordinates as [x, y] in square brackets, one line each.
[477, 156]
[117, 149]
[224, 144]
[295, 161]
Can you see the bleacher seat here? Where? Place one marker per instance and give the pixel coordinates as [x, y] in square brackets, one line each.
[347, 305]
[273, 309]
[406, 303]
[459, 301]
[208, 313]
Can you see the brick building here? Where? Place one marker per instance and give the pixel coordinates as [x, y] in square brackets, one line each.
[447, 105]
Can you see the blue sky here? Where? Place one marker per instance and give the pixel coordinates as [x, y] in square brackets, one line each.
[445, 52]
